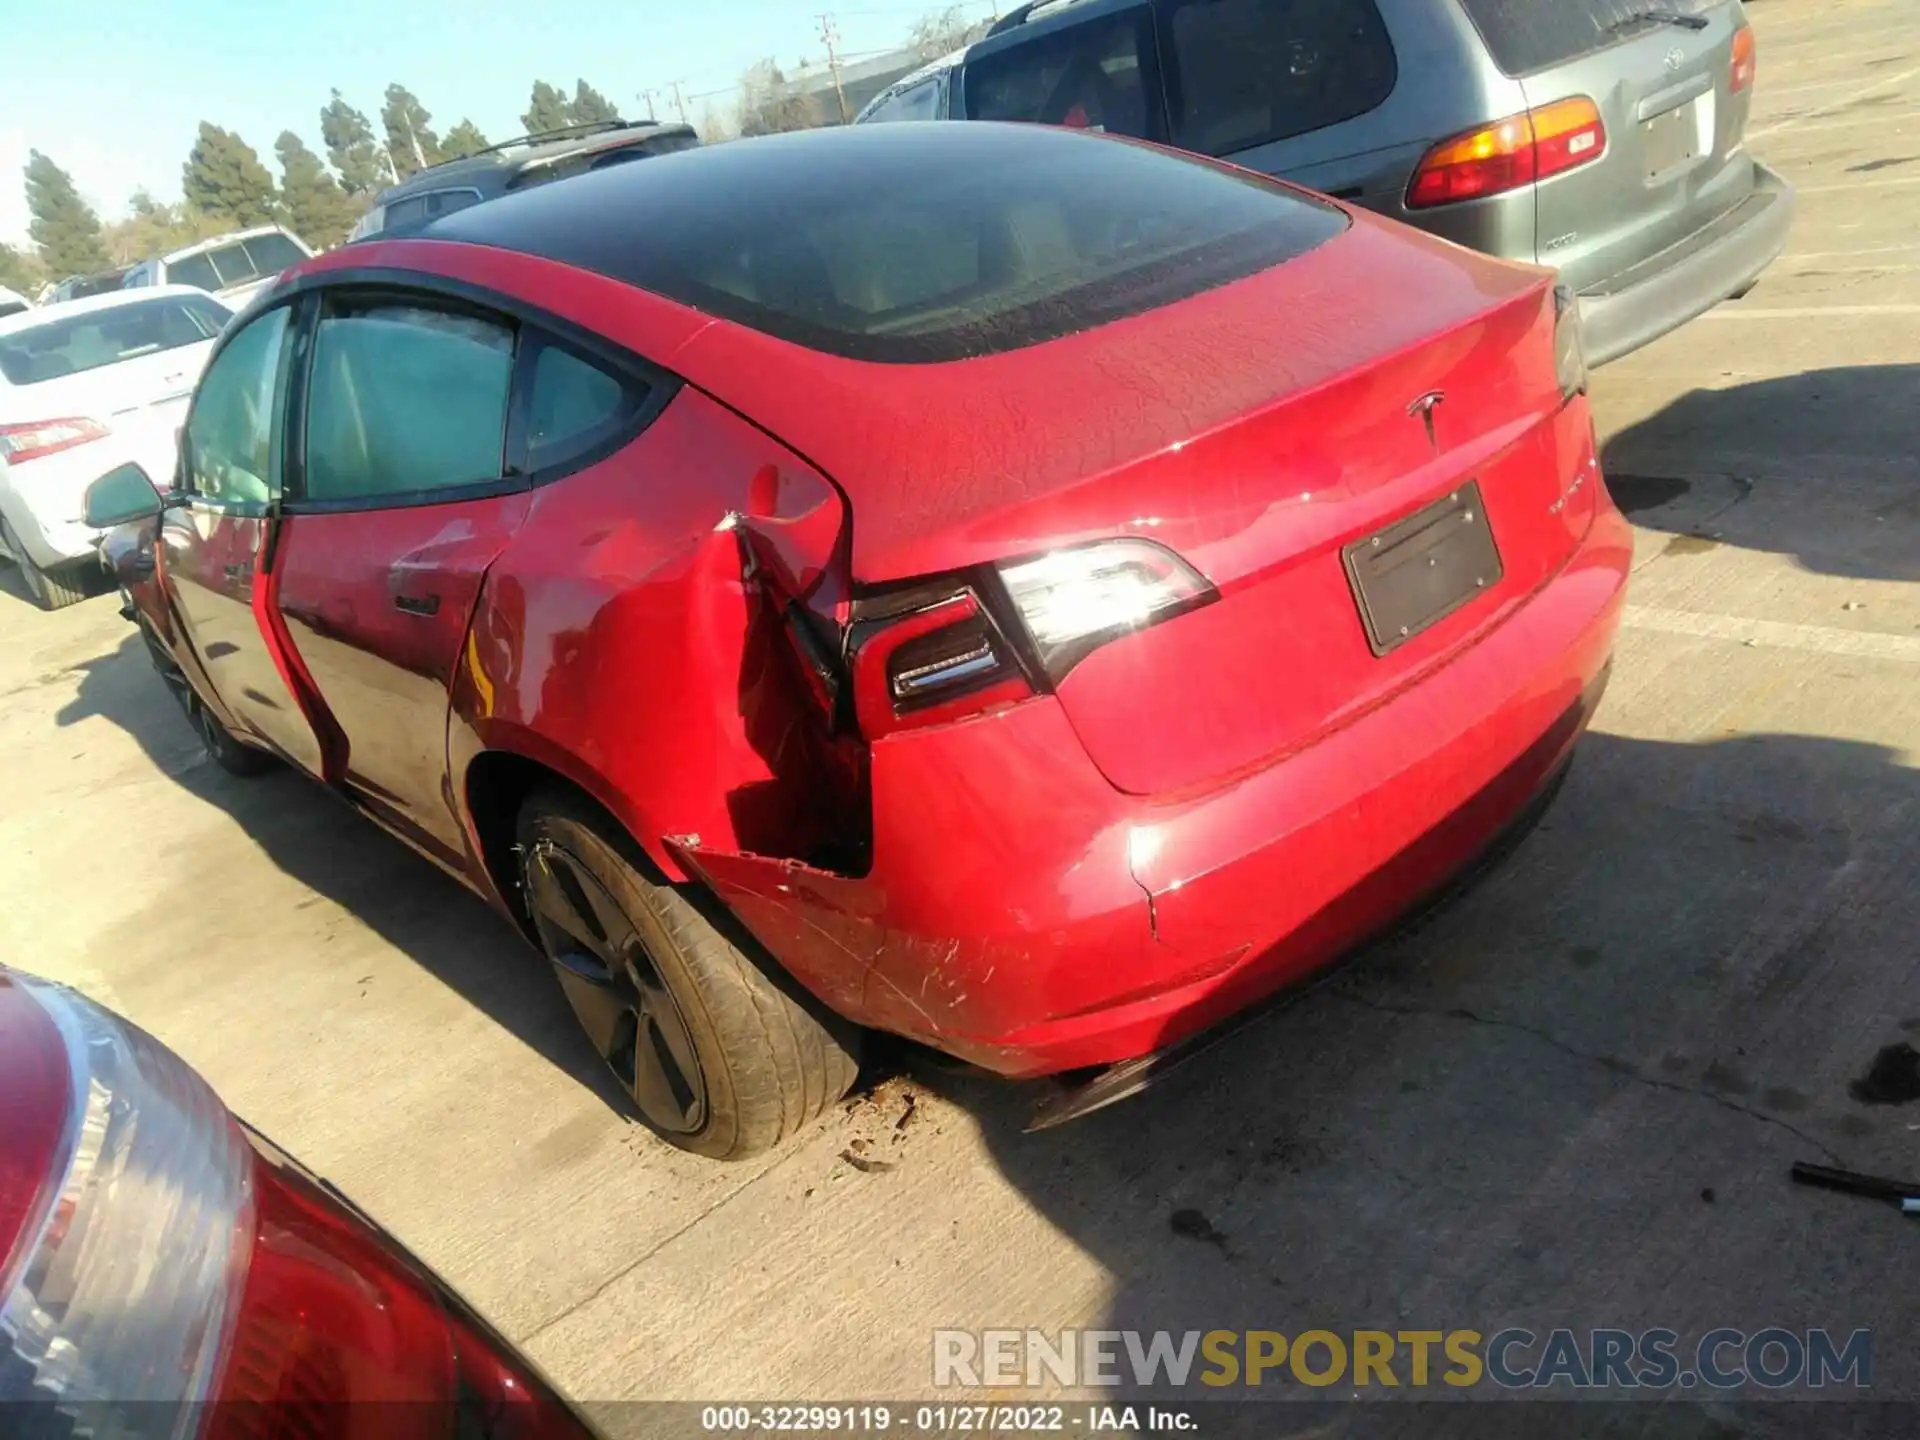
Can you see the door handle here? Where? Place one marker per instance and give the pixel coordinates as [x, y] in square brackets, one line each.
[417, 604]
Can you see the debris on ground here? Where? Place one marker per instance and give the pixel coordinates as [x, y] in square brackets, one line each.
[1892, 1079]
[864, 1165]
[1190, 1224]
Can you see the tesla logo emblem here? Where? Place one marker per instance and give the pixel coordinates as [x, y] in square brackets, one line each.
[1675, 59]
[1423, 408]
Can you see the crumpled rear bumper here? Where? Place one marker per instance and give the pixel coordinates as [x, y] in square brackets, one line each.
[1023, 914]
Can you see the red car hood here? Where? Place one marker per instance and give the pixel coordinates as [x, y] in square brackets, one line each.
[948, 465]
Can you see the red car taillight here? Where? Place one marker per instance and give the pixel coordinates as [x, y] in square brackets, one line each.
[168, 1278]
[942, 651]
[34, 438]
[1509, 154]
[1745, 56]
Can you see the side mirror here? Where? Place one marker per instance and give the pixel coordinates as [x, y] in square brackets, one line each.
[119, 497]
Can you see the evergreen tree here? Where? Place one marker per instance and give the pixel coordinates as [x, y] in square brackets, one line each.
[320, 213]
[410, 138]
[463, 139]
[351, 146]
[224, 178]
[590, 105]
[64, 227]
[547, 109]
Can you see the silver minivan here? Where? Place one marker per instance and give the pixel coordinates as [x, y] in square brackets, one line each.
[1603, 137]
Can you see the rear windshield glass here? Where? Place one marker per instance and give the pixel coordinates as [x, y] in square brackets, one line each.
[1529, 35]
[912, 243]
[239, 263]
[106, 337]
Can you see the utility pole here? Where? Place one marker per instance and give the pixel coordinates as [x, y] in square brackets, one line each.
[648, 96]
[831, 38]
[419, 158]
[679, 104]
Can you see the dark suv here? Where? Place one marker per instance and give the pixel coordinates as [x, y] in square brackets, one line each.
[1603, 137]
[514, 165]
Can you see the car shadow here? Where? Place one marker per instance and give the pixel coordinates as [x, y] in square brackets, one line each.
[1764, 464]
[1569, 1098]
[320, 841]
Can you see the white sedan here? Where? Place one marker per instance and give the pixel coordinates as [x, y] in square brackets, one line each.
[85, 386]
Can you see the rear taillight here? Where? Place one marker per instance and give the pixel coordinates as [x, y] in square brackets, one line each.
[1509, 154]
[34, 438]
[941, 652]
[175, 1277]
[122, 1287]
[1745, 55]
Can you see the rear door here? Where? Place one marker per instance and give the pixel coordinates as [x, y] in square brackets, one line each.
[1675, 159]
[400, 498]
[210, 546]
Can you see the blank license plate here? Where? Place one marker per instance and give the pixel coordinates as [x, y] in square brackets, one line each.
[1419, 570]
[1673, 138]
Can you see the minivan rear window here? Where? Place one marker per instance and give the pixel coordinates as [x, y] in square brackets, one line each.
[1530, 35]
[1242, 73]
[916, 243]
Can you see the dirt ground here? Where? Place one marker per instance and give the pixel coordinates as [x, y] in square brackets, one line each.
[1572, 1099]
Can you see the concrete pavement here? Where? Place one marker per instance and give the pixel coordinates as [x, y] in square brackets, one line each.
[1571, 1099]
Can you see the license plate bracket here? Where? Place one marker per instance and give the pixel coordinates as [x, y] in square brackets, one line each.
[1670, 140]
[1410, 576]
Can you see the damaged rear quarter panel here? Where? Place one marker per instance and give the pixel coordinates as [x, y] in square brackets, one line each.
[999, 896]
[618, 644]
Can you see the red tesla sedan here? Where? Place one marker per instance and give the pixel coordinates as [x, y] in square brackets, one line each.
[166, 1272]
[1027, 591]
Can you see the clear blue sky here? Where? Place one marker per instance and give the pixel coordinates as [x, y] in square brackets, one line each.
[114, 91]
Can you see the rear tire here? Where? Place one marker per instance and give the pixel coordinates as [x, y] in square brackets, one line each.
[231, 755]
[53, 589]
[718, 1053]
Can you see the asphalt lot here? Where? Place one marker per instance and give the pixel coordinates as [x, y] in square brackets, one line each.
[1571, 1099]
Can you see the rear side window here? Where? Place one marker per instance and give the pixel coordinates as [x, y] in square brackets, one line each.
[404, 399]
[1242, 73]
[107, 337]
[1529, 35]
[574, 406]
[917, 102]
[1097, 75]
[194, 270]
[401, 213]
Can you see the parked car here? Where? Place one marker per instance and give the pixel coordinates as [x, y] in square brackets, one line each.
[166, 1270]
[84, 386]
[83, 287]
[12, 302]
[1030, 592]
[1603, 137]
[514, 165]
[236, 267]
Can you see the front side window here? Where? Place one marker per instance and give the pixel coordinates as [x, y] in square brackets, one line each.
[232, 438]
[405, 400]
[1092, 76]
[917, 102]
[1242, 73]
[108, 337]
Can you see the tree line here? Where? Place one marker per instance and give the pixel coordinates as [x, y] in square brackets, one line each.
[225, 185]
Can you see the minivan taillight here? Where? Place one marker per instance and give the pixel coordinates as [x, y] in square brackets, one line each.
[165, 1273]
[1745, 57]
[34, 438]
[940, 651]
[1509, 154]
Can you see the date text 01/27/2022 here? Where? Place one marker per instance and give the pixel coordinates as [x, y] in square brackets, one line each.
[944, 1419]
